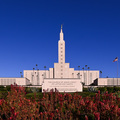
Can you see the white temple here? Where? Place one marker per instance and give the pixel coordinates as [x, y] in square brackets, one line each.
[61, 69]
[60, 72]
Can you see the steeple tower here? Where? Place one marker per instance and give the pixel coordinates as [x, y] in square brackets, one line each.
[61, 34]
[61, 48]
[61, 69]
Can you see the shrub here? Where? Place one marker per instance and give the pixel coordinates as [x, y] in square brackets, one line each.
[16, 106]
[92, 89]
[102, 89]
[33, 95]
[34, 90]
[2, 88]
[86, 94]
[118, 94]
[116, 89]
[8, 88]
[57, 106]
[40, 89]
[3, 94]
[110, 89]
[85, 89]
[28, 90]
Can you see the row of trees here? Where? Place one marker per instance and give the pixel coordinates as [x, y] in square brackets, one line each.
[88, 68]
[21, 74]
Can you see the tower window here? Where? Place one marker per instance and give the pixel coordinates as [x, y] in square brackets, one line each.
[61, 62]
[61, 44]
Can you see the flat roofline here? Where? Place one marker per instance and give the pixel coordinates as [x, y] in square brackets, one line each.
[62, 78]
[69, 68]
[35, 70]
[109, 78]
[11, 77]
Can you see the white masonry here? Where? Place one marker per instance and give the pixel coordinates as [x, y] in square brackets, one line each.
[61, 69]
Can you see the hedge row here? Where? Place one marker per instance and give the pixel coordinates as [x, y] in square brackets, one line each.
[109, 89]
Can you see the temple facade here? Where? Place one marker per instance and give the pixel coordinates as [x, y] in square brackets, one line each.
[61, 69]
[62, 75]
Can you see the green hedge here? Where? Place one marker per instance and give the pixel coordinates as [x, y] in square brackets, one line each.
[32, 95]
[2, 88]
[85, 94]
[85, 89]
[33, 90]
[8, 88]
[3, 94]
[110, 89]
[116, 89]
[102, 89]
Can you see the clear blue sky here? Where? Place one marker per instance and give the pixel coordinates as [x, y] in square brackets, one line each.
[29, 34]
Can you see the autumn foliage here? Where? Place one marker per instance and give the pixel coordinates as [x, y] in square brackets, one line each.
[59, 106]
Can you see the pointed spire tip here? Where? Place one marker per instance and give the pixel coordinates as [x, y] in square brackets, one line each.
[61, 26]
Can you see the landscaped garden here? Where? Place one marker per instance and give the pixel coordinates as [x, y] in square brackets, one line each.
[29, 103]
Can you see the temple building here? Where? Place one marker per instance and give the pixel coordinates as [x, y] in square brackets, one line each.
[61, 69]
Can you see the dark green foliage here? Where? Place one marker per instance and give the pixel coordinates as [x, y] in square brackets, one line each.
[102, 89]
[2, 88]
[28, 90]
[39, 95]
[40, 89]
[85, 94]
[91, 117]
[33, 90]
[3, 94]
[8, 88]
[32, 95]
[85, 89]
[92, 89]
[82, 117]
[115, 89]
[110, 89]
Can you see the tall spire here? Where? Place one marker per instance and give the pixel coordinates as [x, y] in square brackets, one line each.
[61, 33]
[61, 26]
[61, 48]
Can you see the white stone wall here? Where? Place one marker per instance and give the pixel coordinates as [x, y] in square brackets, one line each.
[62, 85]
[18, 81]
[51, 72]
[108, 81]
[61, 70]
[36, 77]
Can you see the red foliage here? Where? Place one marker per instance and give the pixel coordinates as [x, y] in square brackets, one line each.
[55, 105]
